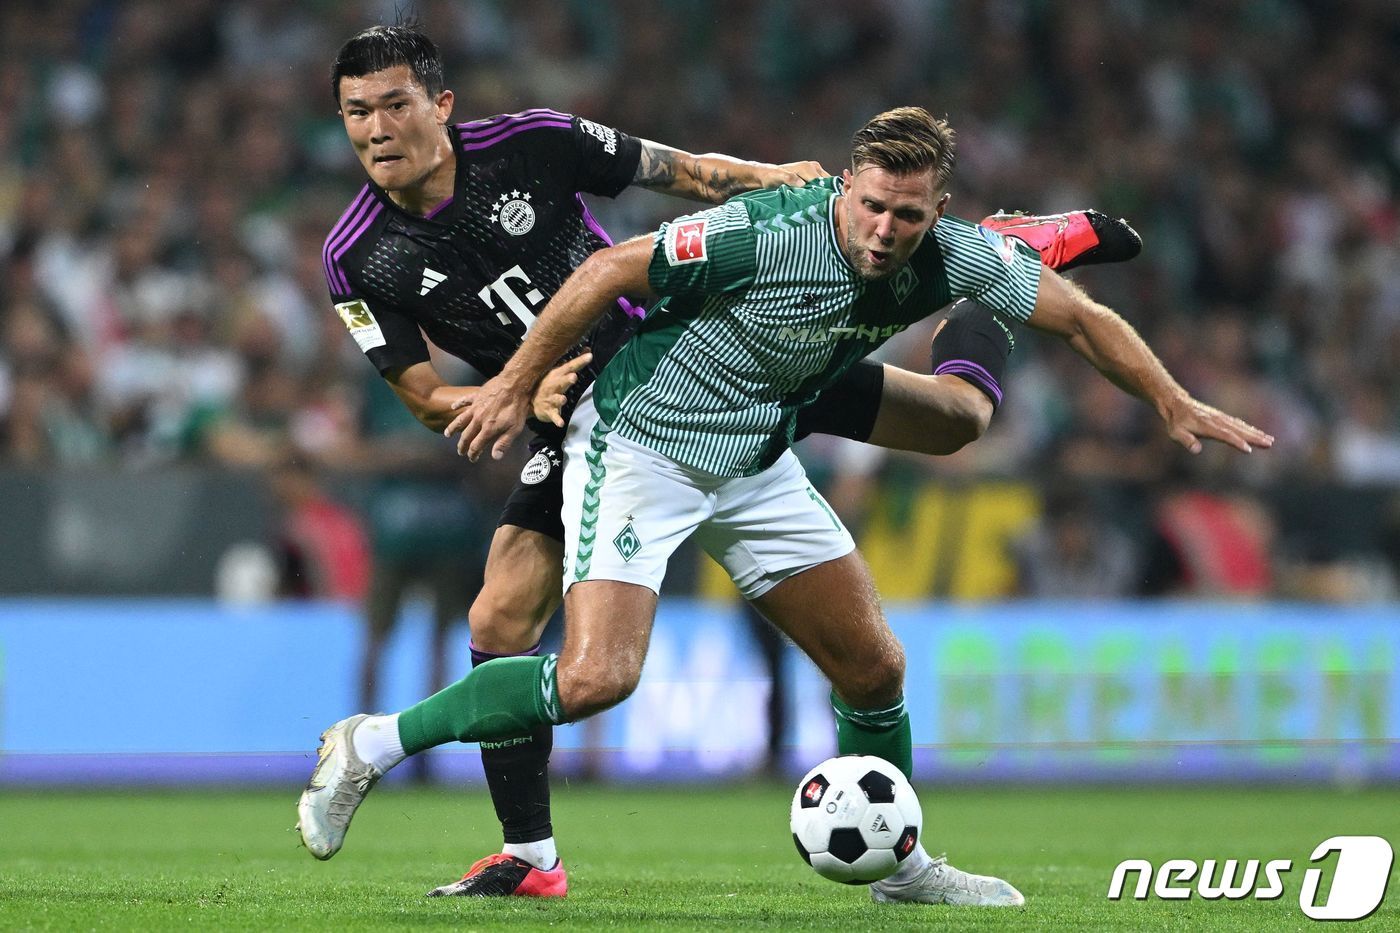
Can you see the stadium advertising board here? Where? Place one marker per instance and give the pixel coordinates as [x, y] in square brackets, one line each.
[126, 690]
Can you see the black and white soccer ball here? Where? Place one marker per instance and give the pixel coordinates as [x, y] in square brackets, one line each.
[855, 818]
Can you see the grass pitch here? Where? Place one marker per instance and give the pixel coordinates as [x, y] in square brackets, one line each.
[694, 858]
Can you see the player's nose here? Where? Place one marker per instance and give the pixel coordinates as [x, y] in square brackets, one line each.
[379, 130]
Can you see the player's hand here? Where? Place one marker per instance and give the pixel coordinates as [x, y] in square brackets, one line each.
[553, 392]
[1188, 421]
[803, 172]
[493, 418]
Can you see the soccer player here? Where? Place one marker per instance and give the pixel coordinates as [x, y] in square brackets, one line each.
[766, 301]
[462, 233]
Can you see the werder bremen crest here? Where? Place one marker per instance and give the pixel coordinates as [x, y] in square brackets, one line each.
[627, 542]
[904, 283]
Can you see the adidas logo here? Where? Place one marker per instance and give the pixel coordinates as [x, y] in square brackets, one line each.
[430, 280]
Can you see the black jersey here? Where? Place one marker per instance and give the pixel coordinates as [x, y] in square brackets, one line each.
[473, 274]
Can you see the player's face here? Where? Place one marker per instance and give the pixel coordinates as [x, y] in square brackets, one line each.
[886, 216]
[395, 127]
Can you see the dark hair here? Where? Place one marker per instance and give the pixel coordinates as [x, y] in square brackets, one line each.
[906, 140]
[381, 47]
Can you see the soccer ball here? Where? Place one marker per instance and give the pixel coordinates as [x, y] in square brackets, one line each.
[855, 818]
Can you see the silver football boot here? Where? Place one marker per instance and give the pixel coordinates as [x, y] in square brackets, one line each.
[941, 883]
[337, 787]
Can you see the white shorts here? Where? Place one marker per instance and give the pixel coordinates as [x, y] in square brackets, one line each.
[627, 509]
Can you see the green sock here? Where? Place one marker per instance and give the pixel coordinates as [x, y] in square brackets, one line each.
[883, 733]
[505, 699]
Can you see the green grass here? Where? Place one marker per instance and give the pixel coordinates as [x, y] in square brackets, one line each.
[647, 858]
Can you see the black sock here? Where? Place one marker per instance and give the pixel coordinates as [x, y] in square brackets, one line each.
[517, 772]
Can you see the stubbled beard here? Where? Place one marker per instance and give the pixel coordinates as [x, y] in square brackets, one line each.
[861, 262]
[859, 256]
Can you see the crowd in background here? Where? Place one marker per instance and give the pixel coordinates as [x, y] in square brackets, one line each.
[169, 172]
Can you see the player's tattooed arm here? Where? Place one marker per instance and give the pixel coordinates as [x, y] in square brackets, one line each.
[713, 178]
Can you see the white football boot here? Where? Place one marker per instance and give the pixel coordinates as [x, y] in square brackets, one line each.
[940, 883]
[337, 787]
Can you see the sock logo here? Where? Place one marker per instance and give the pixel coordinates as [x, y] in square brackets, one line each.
[549, 687]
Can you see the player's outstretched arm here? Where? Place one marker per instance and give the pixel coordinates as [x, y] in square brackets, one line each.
[1115, 349]
[497, 412]
[713, 177]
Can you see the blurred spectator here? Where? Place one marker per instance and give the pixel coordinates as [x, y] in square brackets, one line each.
[1073, 553]
[324, 550]
[1209, 544]
[1365, 445]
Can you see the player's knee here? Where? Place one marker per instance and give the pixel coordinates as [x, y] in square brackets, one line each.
[974, 422]
[503, 625]
[585, 690]
[876, 682]
[968, 423]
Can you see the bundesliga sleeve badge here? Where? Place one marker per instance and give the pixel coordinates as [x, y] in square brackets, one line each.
[1004, 248]
[685, 242]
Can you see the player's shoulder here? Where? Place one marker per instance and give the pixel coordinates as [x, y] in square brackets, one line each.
[352, 217]
[957, 232]
[954, 229]
[490, 131]
[364, 208]
[786, 204]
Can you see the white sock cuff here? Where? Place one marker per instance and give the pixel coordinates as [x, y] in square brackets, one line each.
[376, 741]
[542, 853]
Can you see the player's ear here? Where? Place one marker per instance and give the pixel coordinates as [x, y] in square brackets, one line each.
[942, 206]
[443, 105]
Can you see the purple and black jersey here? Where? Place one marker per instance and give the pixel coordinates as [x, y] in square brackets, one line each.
[473, 274]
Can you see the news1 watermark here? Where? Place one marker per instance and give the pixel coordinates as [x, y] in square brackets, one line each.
[1359, 879]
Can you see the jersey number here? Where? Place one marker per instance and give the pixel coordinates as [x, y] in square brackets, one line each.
[517, 308]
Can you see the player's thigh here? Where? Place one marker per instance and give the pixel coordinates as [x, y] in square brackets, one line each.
[520, 590]
[832, 612]
[626, 508]
[767, 527]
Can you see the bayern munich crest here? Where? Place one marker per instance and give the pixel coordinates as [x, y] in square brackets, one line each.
[539, 467]
[512, 209]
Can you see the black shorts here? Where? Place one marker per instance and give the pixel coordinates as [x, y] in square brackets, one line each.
[538, 497]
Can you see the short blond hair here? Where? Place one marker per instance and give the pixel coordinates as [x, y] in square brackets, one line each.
[906, 140]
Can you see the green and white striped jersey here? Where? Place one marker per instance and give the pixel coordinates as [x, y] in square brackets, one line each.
[761, 310]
